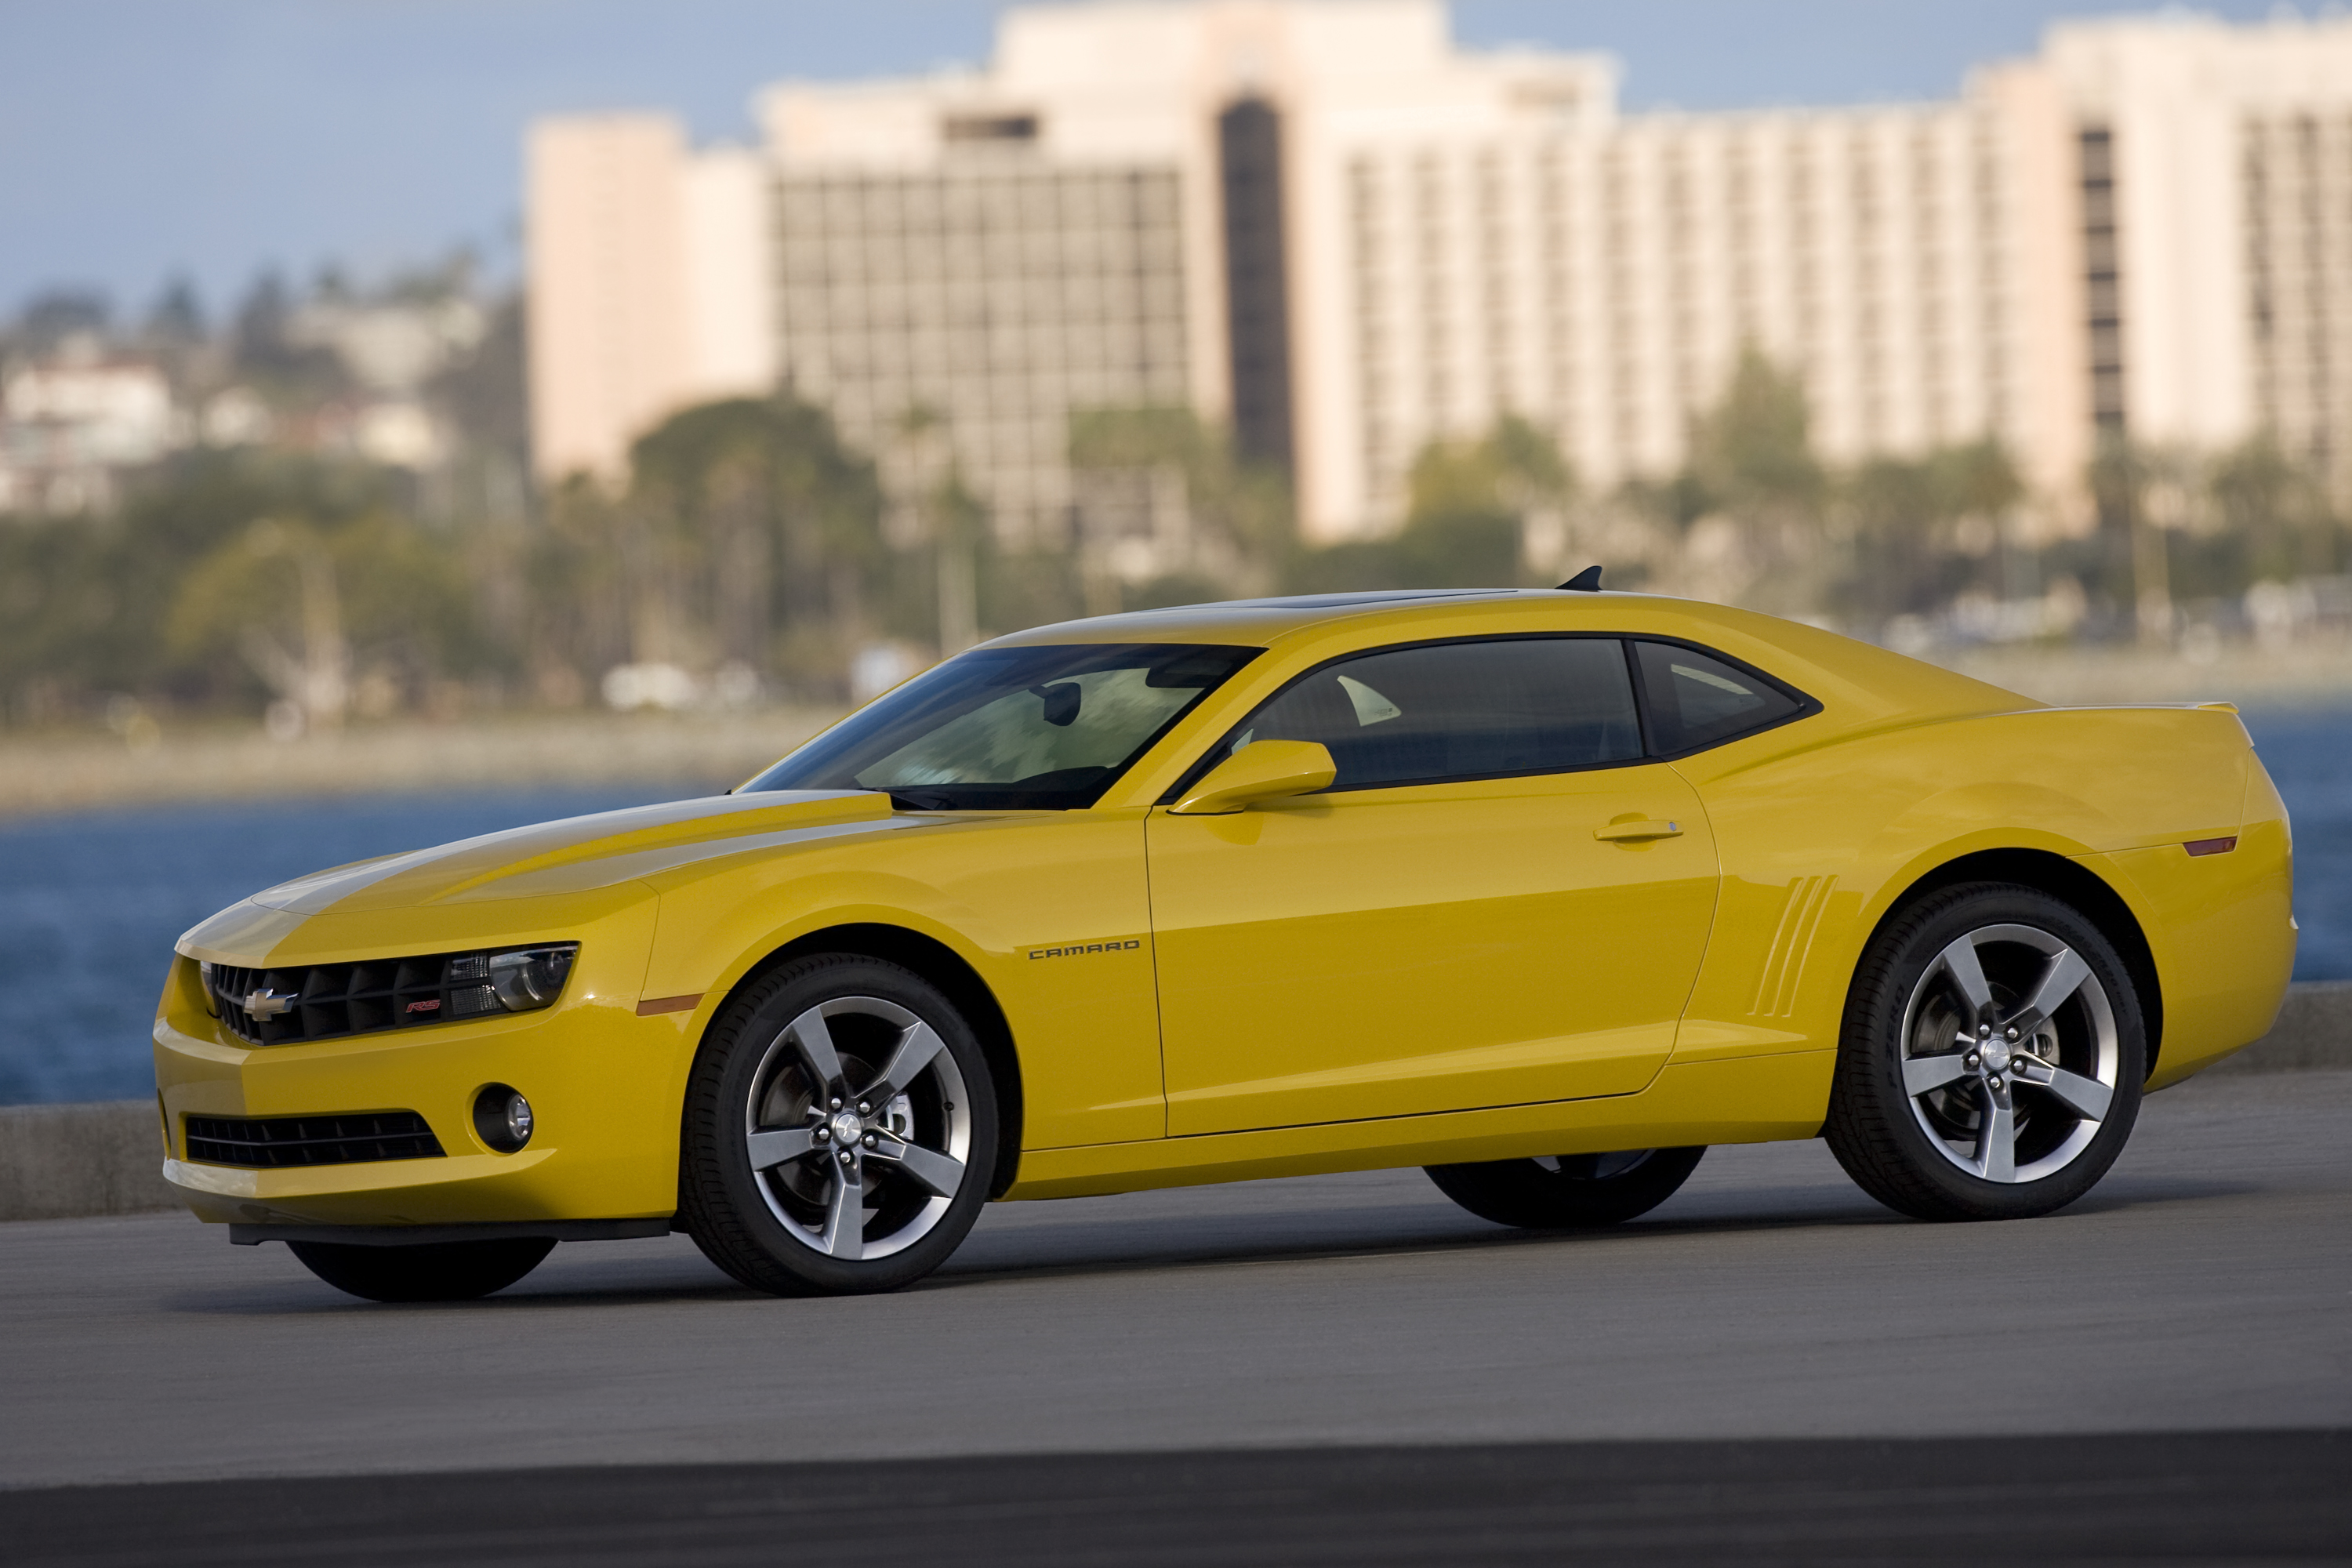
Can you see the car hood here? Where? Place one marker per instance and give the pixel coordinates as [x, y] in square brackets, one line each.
[579, 852]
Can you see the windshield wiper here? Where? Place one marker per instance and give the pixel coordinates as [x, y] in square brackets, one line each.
[922, 800]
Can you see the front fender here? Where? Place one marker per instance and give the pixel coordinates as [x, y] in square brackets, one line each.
[1000, 894]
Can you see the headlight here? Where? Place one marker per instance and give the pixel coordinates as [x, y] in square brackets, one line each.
[518, 980]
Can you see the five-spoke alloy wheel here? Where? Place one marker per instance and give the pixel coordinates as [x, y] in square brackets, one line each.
[1992, 1057]
[840, 1129]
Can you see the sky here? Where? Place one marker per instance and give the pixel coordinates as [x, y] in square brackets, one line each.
[141, 139]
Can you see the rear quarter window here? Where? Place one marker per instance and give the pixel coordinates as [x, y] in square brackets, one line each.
[1695, 699]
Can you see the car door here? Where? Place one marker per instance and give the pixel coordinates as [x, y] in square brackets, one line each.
[1498, 901]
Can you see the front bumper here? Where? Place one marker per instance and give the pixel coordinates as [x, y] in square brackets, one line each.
[432, 1234]
[605, 1084]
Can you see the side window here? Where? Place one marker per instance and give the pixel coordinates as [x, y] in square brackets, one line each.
[1472, 709]
[1696, 701]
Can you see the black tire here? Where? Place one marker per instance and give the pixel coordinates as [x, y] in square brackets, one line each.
[436, 1271]
[1571, 1192]
[773, 1228]
[1933, 1153]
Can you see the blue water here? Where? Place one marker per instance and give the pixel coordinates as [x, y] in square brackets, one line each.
[2309, 757]
[91, 903]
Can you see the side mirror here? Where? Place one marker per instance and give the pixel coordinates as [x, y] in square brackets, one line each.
[1259, 772]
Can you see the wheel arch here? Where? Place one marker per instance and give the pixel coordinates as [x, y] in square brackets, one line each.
[2061, 877]
[944, 967]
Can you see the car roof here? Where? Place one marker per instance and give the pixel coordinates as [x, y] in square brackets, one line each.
[1258, 621]
[1859, 678]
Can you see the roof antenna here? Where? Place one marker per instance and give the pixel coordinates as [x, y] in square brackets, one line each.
[1585, 582]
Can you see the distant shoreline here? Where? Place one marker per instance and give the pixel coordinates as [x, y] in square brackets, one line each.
[2316, 674]
[50, 772]
[57, 771]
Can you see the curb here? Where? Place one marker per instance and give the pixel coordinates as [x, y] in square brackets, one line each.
[74, 1162]
[71, 1161]
[2313, 1031]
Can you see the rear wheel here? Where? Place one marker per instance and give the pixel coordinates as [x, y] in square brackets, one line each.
[1992, 1057]
[840, 1129]
[1567, 1191]
[436, 1271]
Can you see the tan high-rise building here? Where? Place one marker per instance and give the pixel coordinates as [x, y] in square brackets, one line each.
[1319, 220]
[2215, 207]
[648, 283]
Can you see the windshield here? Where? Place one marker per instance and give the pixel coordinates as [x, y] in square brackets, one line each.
[1012, 729]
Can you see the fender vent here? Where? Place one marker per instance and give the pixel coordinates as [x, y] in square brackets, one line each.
[1784, 966]
[270, 1143]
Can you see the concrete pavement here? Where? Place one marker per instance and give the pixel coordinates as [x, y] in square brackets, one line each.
[2207, 1284]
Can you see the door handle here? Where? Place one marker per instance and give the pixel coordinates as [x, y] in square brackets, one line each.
[1637, 832]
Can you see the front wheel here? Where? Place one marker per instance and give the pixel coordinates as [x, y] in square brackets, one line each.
[1567, 1191]
[840, 1129]
[1992, 1060]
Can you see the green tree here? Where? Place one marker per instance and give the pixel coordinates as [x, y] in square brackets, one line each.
[288, 374]
[1908, 516]
[1751, 463]
[1512, 470]
[1896, 507]
[1467, 512]
[2143, 495]
[575, 621]
[1240, 522]
[2274, 509]
[314, 611]
[1751, 454]
[1976, 479]
[751, 531]
[88, 601]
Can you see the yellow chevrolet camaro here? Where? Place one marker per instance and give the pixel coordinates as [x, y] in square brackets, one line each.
[1544, 892]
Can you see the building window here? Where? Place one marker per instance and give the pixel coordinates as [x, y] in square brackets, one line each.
[2103, 278]
[989, 130]
[1257, 289]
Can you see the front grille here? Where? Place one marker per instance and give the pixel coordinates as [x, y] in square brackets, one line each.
[322, 1001]
[268, 1143]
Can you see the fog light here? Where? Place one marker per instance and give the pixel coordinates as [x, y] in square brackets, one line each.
[502, 1117]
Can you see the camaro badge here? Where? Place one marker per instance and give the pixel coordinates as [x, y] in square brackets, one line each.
[267, 1003]
[1076, 948]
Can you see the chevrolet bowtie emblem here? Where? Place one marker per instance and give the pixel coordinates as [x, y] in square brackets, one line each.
[266, 1004]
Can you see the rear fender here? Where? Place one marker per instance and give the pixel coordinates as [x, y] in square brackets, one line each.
[1819, 846]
